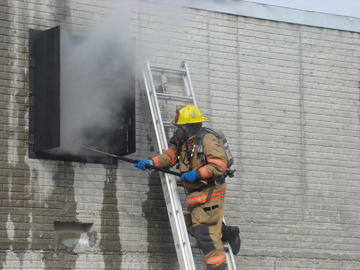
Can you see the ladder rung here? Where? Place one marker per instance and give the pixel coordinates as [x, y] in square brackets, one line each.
[168, 70]
[167, 124]
[174, 97]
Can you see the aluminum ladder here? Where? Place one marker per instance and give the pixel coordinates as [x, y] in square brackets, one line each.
[163, 98]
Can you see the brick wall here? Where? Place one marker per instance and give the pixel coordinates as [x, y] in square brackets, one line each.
[286, 95]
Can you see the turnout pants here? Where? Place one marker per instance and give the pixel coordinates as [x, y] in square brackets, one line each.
[204, 222]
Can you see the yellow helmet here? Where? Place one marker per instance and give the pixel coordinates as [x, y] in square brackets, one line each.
[189, 114]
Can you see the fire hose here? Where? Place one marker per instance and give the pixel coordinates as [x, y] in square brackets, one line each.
[130, 160]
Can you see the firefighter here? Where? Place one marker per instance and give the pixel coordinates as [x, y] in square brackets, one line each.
[204, 181]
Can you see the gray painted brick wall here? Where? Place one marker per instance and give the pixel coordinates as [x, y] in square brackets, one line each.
[286, 95]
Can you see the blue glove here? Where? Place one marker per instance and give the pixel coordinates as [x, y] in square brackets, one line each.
[141, 163]
[190, 176]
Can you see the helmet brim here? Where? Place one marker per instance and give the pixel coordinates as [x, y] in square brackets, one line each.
[203, 119]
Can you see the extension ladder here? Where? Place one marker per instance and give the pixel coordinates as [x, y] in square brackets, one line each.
[162, 100]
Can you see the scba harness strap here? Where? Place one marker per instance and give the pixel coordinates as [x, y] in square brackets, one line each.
[201, 155]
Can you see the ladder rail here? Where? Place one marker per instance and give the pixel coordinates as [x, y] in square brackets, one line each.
[151, 110]
[230, 259]
[174, 207]
[161, 139]
[183, 243]
[188, 84]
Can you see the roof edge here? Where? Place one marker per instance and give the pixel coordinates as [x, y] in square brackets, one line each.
[273, 13]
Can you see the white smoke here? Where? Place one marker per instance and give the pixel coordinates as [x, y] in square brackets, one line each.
[93, 69]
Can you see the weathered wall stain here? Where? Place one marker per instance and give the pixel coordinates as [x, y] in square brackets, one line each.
[20, 208]
[17, 202]
[110, 244]
[61, 206]
[4, 243]
[159, 237]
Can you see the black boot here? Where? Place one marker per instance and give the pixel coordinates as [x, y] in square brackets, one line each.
[231, 234]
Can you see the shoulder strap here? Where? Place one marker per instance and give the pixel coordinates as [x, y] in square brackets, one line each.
[205, 130]
[200, 146]
[199, 141]
[201, 135]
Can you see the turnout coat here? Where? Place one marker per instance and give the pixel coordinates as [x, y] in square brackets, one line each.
[210, 164]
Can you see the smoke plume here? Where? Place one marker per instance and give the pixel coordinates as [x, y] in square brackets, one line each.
[96, 73]
[97, 69]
